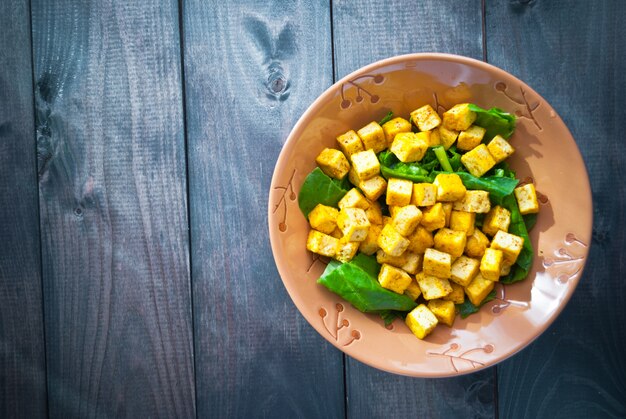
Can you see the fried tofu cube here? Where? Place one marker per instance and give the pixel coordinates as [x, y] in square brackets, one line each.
[437, 263]
[433, 217]
[394, 127]
[393, 209]
[473, 201]
[457, 296]
[426, 118]
[373, 137]
[333, 163]
[479, 289]
[353, 223]
[369, 246]
[407, 261]
[353, 177]
[408, 147]
[434, 139]
[491, 264]
[323, 218]
[500, 148]
[346, 250]
[463, 270]
[470, 138]
[424, 194]
[406, 219]
[497, 219]
[478, 161]
[350, 143]
[459, 117]
[420, 240]
[336, 233]
[450, 241]
[373, 188]
[353, 199]
[449, 187]
[386, 220]
[421, 321]
[433, 287]
[392, 242]
[463, 221]
[393, 279]
[365, 164]
[447, 137]
[447, 210]
[321, 243]
[445, 311]
[526, 197]
[510, 245]
[399, 192]
[374, 213]
[413, 291]
[476, 244]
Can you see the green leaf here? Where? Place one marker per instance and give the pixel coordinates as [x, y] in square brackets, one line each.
[391, 167]
[467, 308]
[321, 189]
[386, 118]
[389, 316]
[442, 157]
[497, 186]
[530, 220]
[495, 121]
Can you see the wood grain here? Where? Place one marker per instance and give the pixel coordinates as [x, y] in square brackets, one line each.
[573, 53]
[113, 208]
[393, 28]
[22, 355]
[251, 69]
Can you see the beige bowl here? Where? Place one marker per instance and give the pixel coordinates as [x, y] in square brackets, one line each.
[545, 153]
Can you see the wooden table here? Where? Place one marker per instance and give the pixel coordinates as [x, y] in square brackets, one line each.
[137, 143]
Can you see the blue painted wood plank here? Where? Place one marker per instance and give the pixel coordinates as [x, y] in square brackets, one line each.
[22, 356]
[113, 208]
[573, 53]
[251, 69]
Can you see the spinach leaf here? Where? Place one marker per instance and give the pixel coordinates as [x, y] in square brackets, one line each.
[321, 189]
[530, 220]
[495, 121]
[391, 167]
[524, 261]
[386, 118]
[389, 316]
[442, 157]
[467, 308]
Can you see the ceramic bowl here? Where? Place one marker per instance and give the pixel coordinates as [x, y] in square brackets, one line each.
[546, 154]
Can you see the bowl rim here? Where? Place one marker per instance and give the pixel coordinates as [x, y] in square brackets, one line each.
[329, 92]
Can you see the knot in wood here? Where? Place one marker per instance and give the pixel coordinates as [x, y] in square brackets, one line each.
[277, 84]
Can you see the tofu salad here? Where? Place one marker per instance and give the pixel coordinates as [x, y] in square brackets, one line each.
[421, 217]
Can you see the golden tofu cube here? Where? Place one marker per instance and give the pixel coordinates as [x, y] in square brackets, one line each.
[510, 245]
[336, 233]
[399, 192]
[353, 199]
[457, 296]
[373, 188]
[434, 139]
[386, 220]
[437, 263]
[407, 261]
[346, 250]
[393, 279]
[408, 147]
[413, 291]
[470, 138]
[476, 244]
[506, 269]
[478, 161]
[321, 243]
[394, 127]
[433, 217]
[373, 137]
[406, 219]
[374, 213]
[445, 311]
[333, 163]
[323, 218]
[527, 199]
[449, 187]
[500, 148]
[365, 164]
[491, 264]
[426, 118]
[447, 137]
[421, 321]
[479, 289]
[450, 241]
[433, 287]
[473, 201]
[393, 209]
[497, 219]
[353, 223]
[369, 246]
[392, 242]
[447, 210]
[424, 194]
[459, 117]
[420, 240]
[463, 221]
[350, 143]
[353, 177]
[463, 270]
